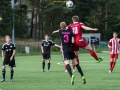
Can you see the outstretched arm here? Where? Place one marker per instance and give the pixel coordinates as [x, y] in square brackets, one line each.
[57, 46]
[88, 28]
[55, 31]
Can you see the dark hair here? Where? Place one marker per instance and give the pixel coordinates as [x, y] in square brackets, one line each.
[115, 32]
[46, 34]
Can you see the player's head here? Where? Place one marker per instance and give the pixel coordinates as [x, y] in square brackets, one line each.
[46, 37]
[75, 19]
[115, 34]
[8, 39]
[63, 25]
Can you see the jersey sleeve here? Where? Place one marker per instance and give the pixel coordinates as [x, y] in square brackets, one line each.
[42, 43]
[82, 24]
[3, 47]
[110, 43]
[52, 43]
[69, 27]
[14, 47]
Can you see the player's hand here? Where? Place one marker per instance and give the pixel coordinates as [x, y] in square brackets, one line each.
[53, 32]
[110, 47]
[95, 29]
[11, 58]
[42, 51]
[2, 58]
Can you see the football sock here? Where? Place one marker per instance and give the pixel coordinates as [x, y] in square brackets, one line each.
[73, 65]
[43, 65]
[12, 72]
[69, 70]
[79, 69]
[111, 65]
[3, 72]
[93, 54]
[77, 60]
[48, 66]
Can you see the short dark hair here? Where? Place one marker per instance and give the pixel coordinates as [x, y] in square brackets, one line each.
[115, 32]
[46, 34]
[75, 18]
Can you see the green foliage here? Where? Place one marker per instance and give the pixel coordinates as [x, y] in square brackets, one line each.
[102, 14]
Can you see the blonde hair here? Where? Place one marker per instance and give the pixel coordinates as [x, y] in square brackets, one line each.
[63, 25]
[75, 18]
[7, 36]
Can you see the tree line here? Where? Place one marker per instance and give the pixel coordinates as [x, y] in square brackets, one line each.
[46, 16]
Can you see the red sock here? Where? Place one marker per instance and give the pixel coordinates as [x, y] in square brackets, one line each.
[111, 65]
[73, 65]
[77, 60]
[65, 67]
[93, 54]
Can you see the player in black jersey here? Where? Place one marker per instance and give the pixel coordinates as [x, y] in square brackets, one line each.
[8, 58]
[67, 38]
[45, 47]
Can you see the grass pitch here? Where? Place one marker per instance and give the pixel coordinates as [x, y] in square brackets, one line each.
[28, 75]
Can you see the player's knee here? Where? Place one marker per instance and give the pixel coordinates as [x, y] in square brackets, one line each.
[3, 67]
[66, 62]
[88, 47]
[3, 71]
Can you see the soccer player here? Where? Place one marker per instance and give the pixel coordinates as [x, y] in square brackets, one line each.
[114, 45]
[45, 47]
[77, 28]
[8, 58]
[67, 38]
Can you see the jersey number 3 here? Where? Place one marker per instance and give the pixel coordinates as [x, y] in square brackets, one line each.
[66, 38]
[75, 30]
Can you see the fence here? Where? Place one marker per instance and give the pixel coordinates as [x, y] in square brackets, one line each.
[35, 48]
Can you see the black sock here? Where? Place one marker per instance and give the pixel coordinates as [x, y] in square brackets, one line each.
[79, 69]
[48, 66]
[12, 72]
[69, 70]
[3, 72]
[43, 65]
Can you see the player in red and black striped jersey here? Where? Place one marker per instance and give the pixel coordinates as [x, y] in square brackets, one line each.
[8, 59]
[114, 45]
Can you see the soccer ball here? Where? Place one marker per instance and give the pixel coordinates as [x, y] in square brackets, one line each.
[69, 3]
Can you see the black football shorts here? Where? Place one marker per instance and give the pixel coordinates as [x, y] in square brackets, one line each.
[46, 56]
[8, 62]
[67, 55]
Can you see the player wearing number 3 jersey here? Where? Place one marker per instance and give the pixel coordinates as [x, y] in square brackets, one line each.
[77, 28]
[67, 38]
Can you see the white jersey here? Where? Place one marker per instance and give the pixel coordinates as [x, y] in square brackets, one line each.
[115, 44]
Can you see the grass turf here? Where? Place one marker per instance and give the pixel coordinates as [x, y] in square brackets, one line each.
[28, 75]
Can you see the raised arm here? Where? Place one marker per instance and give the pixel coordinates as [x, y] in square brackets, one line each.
[89, 28]
[55, 31]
